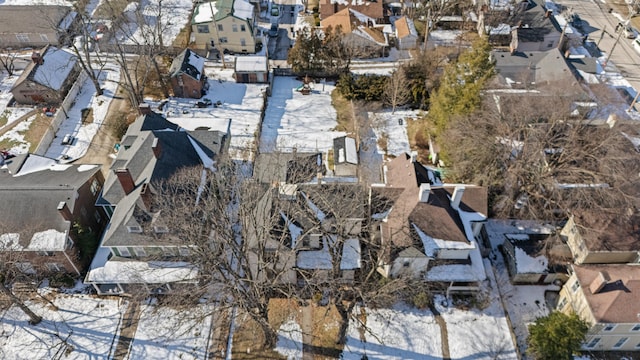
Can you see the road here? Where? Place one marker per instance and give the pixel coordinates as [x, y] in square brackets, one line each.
[601, 29]
[279, 46]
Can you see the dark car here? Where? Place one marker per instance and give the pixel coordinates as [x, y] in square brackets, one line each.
[273, 32]
[203, 103]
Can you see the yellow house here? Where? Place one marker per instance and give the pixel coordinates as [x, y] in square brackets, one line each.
[224, 25]
[606, 296]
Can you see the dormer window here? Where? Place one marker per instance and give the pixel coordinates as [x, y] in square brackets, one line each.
[160, 229]
[134, 229]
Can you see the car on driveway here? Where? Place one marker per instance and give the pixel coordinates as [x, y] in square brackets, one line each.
[627, 30]
[273, 31]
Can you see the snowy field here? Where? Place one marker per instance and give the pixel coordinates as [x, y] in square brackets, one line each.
[83, 327]
[239, 102]
[293, 120]
[398, 333]
[73, 125]
[164, 333]
[387, 125]
[169, 16]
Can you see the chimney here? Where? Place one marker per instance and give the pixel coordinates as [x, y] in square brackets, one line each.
[599, 282]
[126, 180]
[414, 156]
[157, 148]
[457, 197]
[423, 194]
[548, 13]
[144, 109]
[36, 57]
[64, 211]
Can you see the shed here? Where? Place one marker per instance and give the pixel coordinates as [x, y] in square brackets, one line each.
[251, 69]
[187, 75]
[345, 156]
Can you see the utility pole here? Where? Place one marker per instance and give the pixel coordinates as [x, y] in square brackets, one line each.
[606, 61]
[426, 29]
[215, 27]
[601, 35]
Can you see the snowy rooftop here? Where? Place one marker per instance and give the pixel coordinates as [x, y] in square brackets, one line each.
[251, 63]
[152, 272]
[56, 68]
[321, 259]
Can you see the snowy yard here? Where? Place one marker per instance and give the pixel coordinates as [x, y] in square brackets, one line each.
[239, 102]
[165, 333]
[387, 125]
[83, 327]
[398, 333]
[293, 120]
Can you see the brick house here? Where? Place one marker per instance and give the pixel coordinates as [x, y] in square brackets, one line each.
[48, 77]
[187, 75]
[41, 202]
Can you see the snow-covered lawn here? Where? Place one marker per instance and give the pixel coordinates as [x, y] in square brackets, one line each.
[398, 333]
[169, 16]
[73, 125]
[6, 83]
[240, 103]
[17, 136]
[165, 333]
[290, 340]
[293, 120]
[83, 327]
[386, 125]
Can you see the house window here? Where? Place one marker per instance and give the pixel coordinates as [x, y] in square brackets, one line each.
[95, 187]
[202, 29]
[234, 28]
[636, 327]
[123, 251]
[220, 27]
[550, 45]
[243, 28]
[134, 229]
[44, 38]
[591, 344]
[53, 267]
[562, 303]
[22, 37]
[140, 252]
[243, 42]
[25, 267]
[575, 286]
[620, 342]
[223, 40]
[45, 253]
[609, 327]
[160, 229]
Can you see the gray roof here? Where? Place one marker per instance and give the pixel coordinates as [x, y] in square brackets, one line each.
[31, 187]
[292, 168]
[184, 64]
[531, 67]
[30, 18]
[177, 151]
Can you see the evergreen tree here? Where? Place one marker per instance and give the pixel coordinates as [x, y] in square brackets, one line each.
[557, 336]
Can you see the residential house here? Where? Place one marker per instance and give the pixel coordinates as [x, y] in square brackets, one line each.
[314, 227]
[139, 252]
[371, 9]
[535, 257]
[361, 32]
[606, 297]
[345, 156]
[48, 77]
[42, 205]
[529, 26]
[428, 229]
[602, 238]
[251, 69]
[405, 33]
[187, 75]
[224, 25]
[24, 26]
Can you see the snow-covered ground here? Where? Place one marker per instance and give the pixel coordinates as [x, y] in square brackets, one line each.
[398, 333]
[293, 120]
[73, 125]
[387, 125]
[164, 333]
[239, 102]
[290, 340]
[169, 16]
[83, 327]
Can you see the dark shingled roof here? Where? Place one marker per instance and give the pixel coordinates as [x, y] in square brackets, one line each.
[181, 65]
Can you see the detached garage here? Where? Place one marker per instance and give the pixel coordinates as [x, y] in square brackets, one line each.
[251, 69]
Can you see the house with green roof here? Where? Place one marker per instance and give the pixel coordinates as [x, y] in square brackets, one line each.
[224, 25]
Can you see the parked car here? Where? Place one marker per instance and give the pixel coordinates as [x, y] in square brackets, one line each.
[67, 139]
[627, 30]
[203, 103]
[273, 31]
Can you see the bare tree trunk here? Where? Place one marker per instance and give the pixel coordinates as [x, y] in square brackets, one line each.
[33, 318]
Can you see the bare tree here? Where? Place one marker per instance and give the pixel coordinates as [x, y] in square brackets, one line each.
[396, 91]
[541, 161]
[87, 58]
[7, 60]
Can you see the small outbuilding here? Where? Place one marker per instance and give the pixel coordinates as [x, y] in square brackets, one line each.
[405, 33]
[251, 69]
[345, 156]
[187, 75]
[48, 78]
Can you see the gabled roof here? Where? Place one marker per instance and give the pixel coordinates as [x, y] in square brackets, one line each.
[56, 67]
[354, 22]
[404, 27]
[220, 9]
[531, 68]
[617, 300]
[189, 63]
[344, 150]
[31, 188]
[16, 19]
[292, 168]
[608, 231]
[372, 9]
